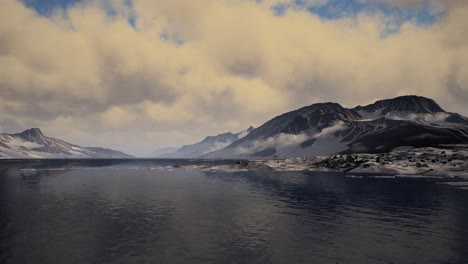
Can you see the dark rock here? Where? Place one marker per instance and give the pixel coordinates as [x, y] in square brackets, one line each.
[242, 164]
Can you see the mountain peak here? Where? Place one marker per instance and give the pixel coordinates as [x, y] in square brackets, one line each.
[248, 130]
[19, 145]
[325, 105]
[32, 135]
[34, 132]
[407, 103]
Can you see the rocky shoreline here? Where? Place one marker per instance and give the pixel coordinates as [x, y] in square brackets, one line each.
[448, 161]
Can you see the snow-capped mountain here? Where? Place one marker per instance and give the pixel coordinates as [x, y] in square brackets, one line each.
[402, 104]
[32, 143]
[413, 108]
[329, 128]
[207, 145]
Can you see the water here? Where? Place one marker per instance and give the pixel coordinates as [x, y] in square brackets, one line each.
[145, 212]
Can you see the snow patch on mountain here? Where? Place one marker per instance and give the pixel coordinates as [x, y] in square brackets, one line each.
[327, 128]
[33, 144]
[18, 143]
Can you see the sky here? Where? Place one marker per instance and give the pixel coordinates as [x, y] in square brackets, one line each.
[140, 75]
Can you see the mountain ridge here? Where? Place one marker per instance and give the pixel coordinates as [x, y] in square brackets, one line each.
[411, 103]
[207, 145]
[329, 128]
[32, 143]
[317, 129]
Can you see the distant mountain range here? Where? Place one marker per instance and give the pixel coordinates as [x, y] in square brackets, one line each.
[207, 145]
[329, 128]
[315, 130]
[163, 151]
[32, 143]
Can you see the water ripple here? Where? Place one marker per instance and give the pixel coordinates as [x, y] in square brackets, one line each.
[146, 213]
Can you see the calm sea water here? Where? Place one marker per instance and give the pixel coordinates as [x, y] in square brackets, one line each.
[145, 212]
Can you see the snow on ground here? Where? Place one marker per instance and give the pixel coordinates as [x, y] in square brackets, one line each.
[22, 149]
[447, 162]
[17, 143]
[17, 148]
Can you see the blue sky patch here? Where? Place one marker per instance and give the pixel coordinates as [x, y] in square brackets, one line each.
[46, 7]
[333, 9]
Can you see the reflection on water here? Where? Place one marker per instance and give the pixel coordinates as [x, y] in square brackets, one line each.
[123, 212]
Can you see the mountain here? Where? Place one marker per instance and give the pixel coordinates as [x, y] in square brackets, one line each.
[410, 107]
[163, 151]
[403, 104]
[329, 128]
[207, 145]
[32, 143]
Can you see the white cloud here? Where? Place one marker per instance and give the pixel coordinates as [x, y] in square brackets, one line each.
[338, 126]
[422, 118]
[93, 79]
[279, 141]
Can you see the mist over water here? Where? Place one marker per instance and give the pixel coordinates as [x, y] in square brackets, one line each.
[149, 212]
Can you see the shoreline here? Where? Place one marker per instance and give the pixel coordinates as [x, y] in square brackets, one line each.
[428, 162]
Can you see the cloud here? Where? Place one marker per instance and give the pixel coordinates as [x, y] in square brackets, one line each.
[279, 141]
[421, 118]
[283, 141]
[338, 126]
[89, 76]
